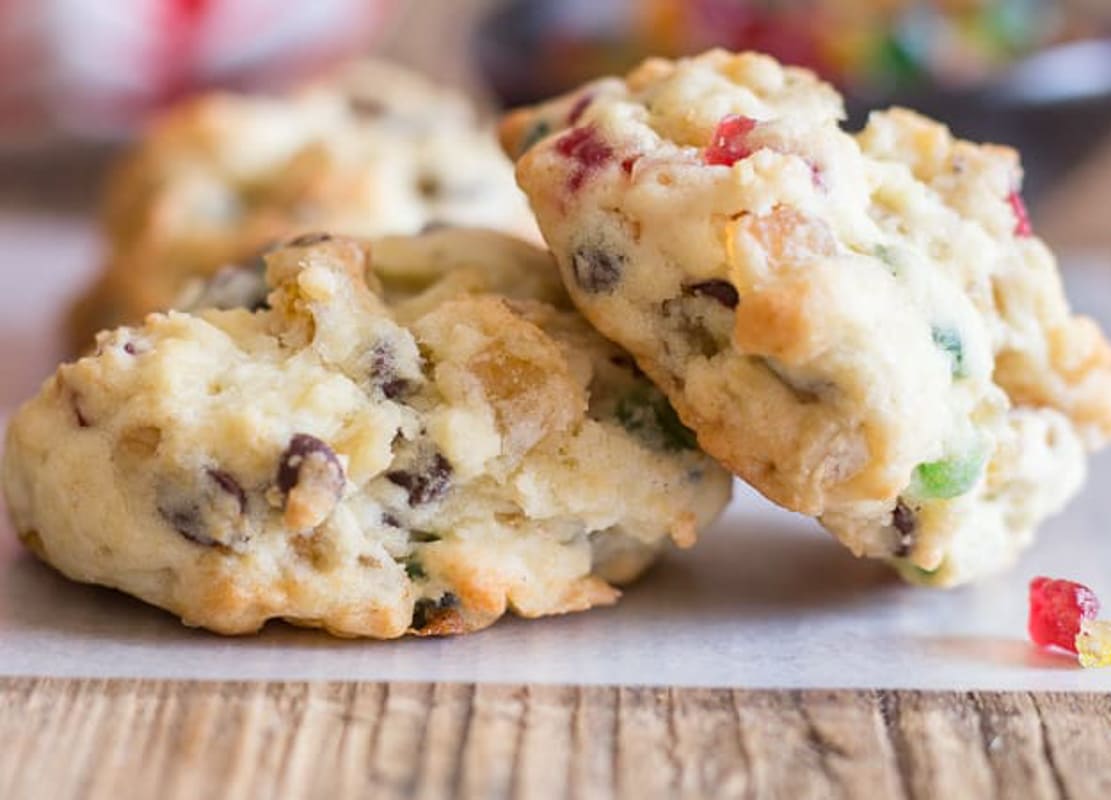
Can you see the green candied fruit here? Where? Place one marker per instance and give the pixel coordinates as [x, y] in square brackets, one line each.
[646, 412]
[950, 341]
[949, 478]
[415, 570]
[912, 573]
[887, 255]
[538, 132]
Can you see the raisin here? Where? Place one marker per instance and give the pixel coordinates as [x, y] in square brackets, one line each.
[597, 270]
[1057, 609]
[307, 239]
[229, 485]
[391, 521]
[722, 291]
[905, 522]
[424, 487]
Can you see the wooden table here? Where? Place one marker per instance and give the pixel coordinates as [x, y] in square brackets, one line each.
[122, 739]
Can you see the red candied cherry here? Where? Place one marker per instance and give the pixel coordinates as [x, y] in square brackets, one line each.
[1057, 607]
[730, 142]
[579, 108]
[1023, 229]
[589, 152]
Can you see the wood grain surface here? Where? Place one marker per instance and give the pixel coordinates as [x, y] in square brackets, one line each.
[151, 739]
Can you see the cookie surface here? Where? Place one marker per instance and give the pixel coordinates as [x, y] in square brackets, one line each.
[375, 450]
[373, 150]
[863, 327]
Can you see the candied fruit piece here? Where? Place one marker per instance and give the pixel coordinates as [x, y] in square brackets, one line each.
[1023, 229]
[730, 142]
[1093, 643]
[952, 477]
[586, 149]
[1057, 608]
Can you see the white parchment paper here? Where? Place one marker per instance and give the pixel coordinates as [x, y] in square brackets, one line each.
[766, 600]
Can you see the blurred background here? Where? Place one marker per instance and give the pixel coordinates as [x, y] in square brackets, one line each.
[78, 78]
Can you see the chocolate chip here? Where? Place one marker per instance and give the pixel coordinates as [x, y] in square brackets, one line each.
[383, 372]
[230, 485]
[427, 486]
[722, 291]
[626, 362]
[905, 522]
[202, 513]
[597, 270]
[426, 609]
[306, 239]
[189, 522]
[309, 458]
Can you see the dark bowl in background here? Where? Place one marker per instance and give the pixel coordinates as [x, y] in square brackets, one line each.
[1054, 106]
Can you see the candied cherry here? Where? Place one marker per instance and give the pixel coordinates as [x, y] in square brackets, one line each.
[730, 142]
[1023, 229]
[587, 150]
[1057, 609]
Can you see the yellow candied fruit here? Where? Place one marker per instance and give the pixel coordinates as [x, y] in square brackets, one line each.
[1093, 643]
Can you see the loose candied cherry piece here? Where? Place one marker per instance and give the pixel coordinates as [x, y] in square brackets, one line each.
[1057, 607]
[583, 146]
[1023, 229]
[730, 144]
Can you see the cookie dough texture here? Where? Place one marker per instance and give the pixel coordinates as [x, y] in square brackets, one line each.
[374, 451]
[372, 150]
[861, 326]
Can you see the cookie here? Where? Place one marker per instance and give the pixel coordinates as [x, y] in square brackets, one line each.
[374, 150]
[863, 327]
[373, 452]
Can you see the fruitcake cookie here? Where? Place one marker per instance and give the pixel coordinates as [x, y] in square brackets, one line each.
[421, 463]
[864, 328]
[375, 150]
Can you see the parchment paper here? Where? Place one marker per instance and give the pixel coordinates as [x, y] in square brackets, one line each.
[766, 600]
